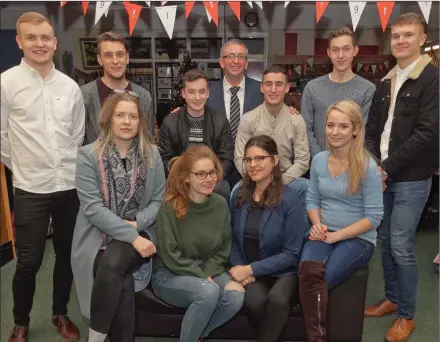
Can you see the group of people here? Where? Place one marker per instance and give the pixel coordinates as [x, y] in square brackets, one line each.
[127, 214]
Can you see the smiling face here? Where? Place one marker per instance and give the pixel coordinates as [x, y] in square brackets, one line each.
[125, 120]
[200, 187]
[406, 41]
[259, 164]
[38, 43]
[342, 52]
[113, 57]
[196, 94]
[339, 129]
[236, 66]
[274, 87]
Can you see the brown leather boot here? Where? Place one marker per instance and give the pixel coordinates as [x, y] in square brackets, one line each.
[314, 298]
[19, 334]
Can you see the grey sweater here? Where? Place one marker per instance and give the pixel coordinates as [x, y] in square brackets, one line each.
[322, 92]
[93, 109]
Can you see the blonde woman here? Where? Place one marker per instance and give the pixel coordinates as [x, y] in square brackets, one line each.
[345, 206]
[121, 183]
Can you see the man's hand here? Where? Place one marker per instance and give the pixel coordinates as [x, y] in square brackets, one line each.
[133, 223]
[175, 110]
[384, 177]
[144, 247]
[247, 281]
[318, 232]
[240, 273]
[293, 110]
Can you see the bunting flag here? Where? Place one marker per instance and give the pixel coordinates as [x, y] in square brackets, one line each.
[359, 67]
[235, 6]
[85, 6]
[133, 11]
[320, 9]
[385, 8]
[310, 61]
[386, 63]
[250, 4]
[163, 3]
[101, 8]
[356, 9]
[259, 4]
[188, 8]
[212, 9]
[286, 3]
[208, 15]
[425, 6]
[148, 3]
[373, 67]
[63, 3]
[167, 15]
[298, 69]
[106, 12]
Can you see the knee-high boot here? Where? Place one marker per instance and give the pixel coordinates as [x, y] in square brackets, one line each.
[314, 298]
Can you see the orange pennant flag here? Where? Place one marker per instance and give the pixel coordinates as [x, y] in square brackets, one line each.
[188, 8]
[63, 3]
[385, 8]
[212, 8]
[235, 5]
[133, 11]
[320, 9]
[85, 5]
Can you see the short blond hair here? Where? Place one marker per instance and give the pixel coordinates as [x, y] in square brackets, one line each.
[410, 18]
[33, 18]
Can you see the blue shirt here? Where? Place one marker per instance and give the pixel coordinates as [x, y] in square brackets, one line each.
[338, 208]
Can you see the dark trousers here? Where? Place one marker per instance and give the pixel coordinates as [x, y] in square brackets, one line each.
[112, 309]
[32, 214]
[267, 304]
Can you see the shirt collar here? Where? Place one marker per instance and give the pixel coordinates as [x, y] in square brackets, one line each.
[34, 72]
[405, 72]
[227, 86]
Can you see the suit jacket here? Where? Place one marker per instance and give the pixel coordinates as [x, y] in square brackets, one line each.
[282, 231]
[253, 97]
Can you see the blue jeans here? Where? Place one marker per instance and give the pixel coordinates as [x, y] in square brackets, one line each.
[403, 205]
[208, 305]
[341, 259]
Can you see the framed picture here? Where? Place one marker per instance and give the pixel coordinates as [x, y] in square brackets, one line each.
[88, 53]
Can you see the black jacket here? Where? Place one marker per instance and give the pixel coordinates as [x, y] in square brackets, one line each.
[174, 131]
[413, 152]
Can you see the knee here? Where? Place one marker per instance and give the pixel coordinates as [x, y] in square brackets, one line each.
[310, 271]
[29, 265]
[235, 295]
[278, 300]
[209, 292]
[403, 254]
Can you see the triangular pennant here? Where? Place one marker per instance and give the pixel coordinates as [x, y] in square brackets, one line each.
[298, 70]
[188, 8]
[259, 4]
[250, 4]
[106, 12]
[386, 63]
[425, 6]
[148, 3]
[385, 8]
[63, 3]
[310, 61]
[85, 6]
[286, 3]
[235, 6]
[320, 9]
[133, 11]
[359, 67]
[373, 67]
[167, 15]
[101, 8]
[212, 8]
[356, 9]
[208, 15]
[163, 3]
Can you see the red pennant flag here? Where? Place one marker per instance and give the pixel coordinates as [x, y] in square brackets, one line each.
[188, 8]
[235, 5]
[212, 8]
[63, 3]
[133, 11]
[320, 9]
[85, 5]
[385, 8]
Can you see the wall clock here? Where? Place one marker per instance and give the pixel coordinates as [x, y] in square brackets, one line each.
[251, 19]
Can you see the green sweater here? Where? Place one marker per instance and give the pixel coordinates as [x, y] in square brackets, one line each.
[197, 245]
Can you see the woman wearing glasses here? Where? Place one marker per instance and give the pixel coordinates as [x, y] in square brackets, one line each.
[194, 241]
[121, 183]
[268, 228]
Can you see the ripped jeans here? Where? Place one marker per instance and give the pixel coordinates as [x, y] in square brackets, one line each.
[208, 305]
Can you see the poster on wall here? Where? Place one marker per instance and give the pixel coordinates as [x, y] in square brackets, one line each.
[88, 53]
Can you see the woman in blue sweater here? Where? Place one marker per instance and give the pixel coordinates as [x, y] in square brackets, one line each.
[268, 226]
[345, 206]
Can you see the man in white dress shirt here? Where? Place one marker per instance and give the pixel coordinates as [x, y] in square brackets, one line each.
[42, 126]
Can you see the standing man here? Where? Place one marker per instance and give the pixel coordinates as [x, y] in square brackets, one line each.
[403, 133]
[113, 57]
[42, 126]
[340, 84]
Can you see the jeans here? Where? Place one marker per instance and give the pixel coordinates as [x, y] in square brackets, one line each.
[267, 303]
[341, 259]
[403, 205]
[32, 214]
[208, 305]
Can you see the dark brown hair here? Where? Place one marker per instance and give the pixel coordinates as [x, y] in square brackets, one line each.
[271, 197]
[193, 75]
[110, 37]
[410, 19]
[342, 31]
[275, 69]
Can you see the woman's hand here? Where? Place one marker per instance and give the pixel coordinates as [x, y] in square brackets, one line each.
[240, 273]
[144, 247]
[318, 232]
[331, 237]
[247, 281]
[132, 223]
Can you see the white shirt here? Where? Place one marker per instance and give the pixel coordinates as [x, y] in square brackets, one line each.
[227, 95]
[42, 126]
[402, 76]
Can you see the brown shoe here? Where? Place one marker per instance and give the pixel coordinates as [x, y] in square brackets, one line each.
[68, 330]
[19, 334]
[382, 308]
[401, 330]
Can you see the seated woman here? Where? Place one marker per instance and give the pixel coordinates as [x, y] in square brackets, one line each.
[120, 181]
[193, 242]
[268, 228]
[345, 206]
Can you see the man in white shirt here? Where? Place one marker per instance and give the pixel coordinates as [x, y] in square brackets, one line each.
[42, 126]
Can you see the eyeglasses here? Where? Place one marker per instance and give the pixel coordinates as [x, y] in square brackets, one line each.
[232, 56]
[201, 175]
[257, 159]
[123, 91]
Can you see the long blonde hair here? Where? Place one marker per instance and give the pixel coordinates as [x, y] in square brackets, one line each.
[146, 153]
[358, 157]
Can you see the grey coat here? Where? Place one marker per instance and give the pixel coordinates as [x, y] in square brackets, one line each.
[94, 219]
[93, 109]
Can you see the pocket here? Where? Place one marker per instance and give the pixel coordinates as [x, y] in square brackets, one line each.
[409, 102]
[62, 110]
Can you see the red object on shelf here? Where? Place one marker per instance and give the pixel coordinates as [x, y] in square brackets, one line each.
[290, 43]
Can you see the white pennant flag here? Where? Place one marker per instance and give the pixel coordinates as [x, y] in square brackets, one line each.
[386, 63]
[250, 4]
[298, 69]
[101, 8]
[310, 61]
[148, 3]
[209, 15]
[286, 3]
[373, 67]
[163, 3]
[356, 9]
[259, 3]
[359, 67]
[106, 12]
[425, 6]
[167, 15]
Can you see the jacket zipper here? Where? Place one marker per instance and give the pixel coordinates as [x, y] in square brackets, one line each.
[319, 315]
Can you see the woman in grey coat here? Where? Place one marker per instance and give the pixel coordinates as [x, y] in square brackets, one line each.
[121, 183]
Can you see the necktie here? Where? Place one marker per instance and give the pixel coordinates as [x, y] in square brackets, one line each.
[234, 118]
